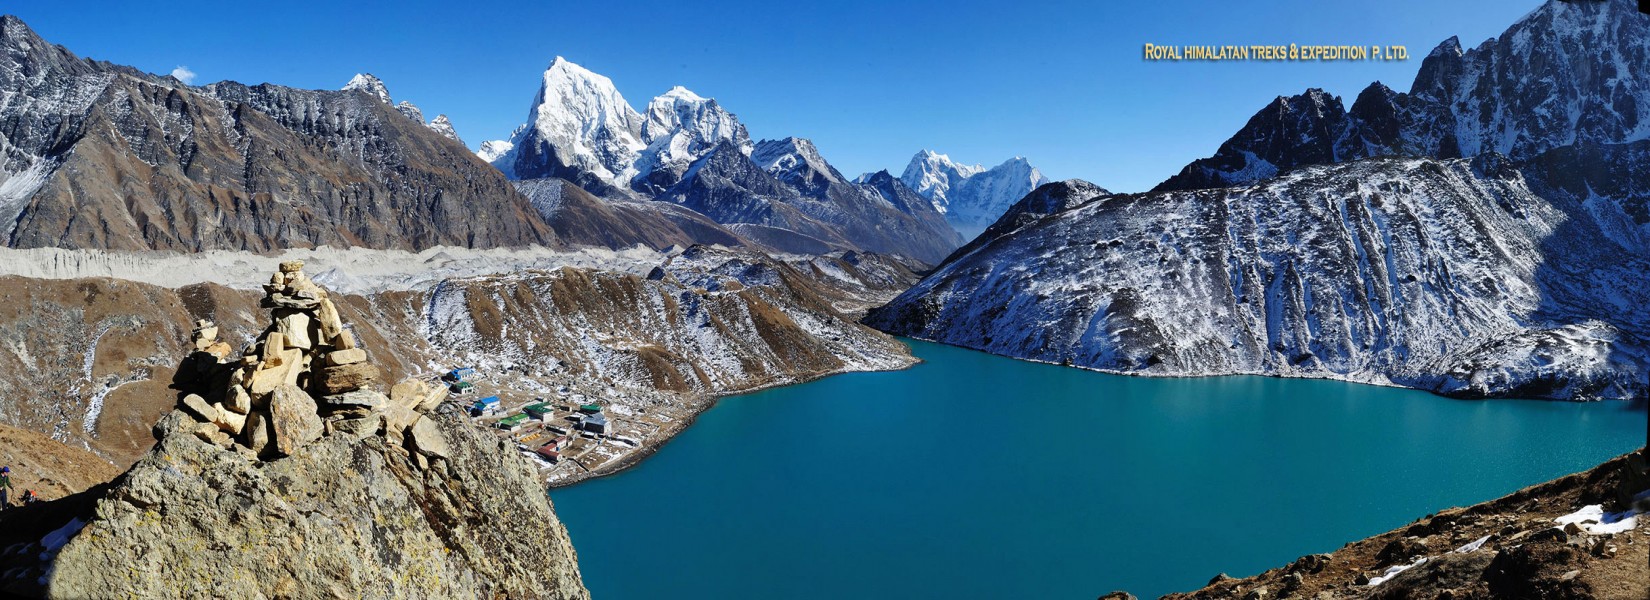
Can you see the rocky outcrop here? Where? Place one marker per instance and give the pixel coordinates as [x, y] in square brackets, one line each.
[351, 514]
[299, 477]
[1580, 537]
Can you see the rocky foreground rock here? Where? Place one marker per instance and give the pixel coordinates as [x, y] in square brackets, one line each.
[295, 476]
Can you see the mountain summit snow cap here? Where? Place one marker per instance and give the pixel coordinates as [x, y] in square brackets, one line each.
[368, 83]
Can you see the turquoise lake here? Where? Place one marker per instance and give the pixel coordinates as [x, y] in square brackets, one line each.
[976, 476]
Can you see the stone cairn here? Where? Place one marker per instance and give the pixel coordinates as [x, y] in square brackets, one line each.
[305, 377]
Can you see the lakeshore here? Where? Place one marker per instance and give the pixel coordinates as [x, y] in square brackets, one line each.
[1032, 479]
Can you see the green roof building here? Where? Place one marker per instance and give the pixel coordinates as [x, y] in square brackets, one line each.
[537, 410]
[512, 421]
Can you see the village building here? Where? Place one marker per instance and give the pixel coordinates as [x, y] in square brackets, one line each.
[485, 407]
[538, 410]
[513, 422]
[596, 423]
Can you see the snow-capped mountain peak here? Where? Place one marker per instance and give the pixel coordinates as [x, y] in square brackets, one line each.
[444, 127]
[579, 123]
[681, 93]
[933, 175]
[368, 83]
[692, 119]
[493, 150]
[410, 111]
[971, 196]
[682, 127]
[795, 160]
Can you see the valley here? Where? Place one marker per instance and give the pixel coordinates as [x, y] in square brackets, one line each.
[235, 319]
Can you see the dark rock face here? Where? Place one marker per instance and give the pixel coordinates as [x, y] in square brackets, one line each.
[103, 156]
[536, 158]
[1560, 76]
[727, 187]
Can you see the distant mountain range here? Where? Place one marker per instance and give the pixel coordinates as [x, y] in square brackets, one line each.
[102, 156]
[1484, 234]
[971, 196]
[688, 150]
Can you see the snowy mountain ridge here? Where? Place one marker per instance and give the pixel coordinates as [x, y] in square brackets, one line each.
[970, 196]
[582, 129]
[373, 86]
[1485, 235]
[370, 84]
[1411, 272]
[690, 151]
[1565, 74]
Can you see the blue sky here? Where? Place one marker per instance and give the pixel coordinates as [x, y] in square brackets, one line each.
[1062, 83]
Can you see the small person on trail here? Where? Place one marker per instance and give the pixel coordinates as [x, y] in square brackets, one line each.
[29, 497]
[5, 488]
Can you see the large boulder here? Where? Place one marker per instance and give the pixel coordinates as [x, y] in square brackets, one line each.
[294, 419]
[428, 440]
[198, 407]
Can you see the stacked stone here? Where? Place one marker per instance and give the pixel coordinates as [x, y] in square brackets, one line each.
[305, 377]
[204, 370]
[205, 339]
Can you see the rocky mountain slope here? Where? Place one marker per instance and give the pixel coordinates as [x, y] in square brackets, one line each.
[579, 218]
[1564, 75]
[1491, 276]
[1428, 274]
[705, 322]
[88, 362]
[971, 196]
[689, 151]
[1573, 538]
[877, 216]
[104, 156]
[50, 468]
[292, 444]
